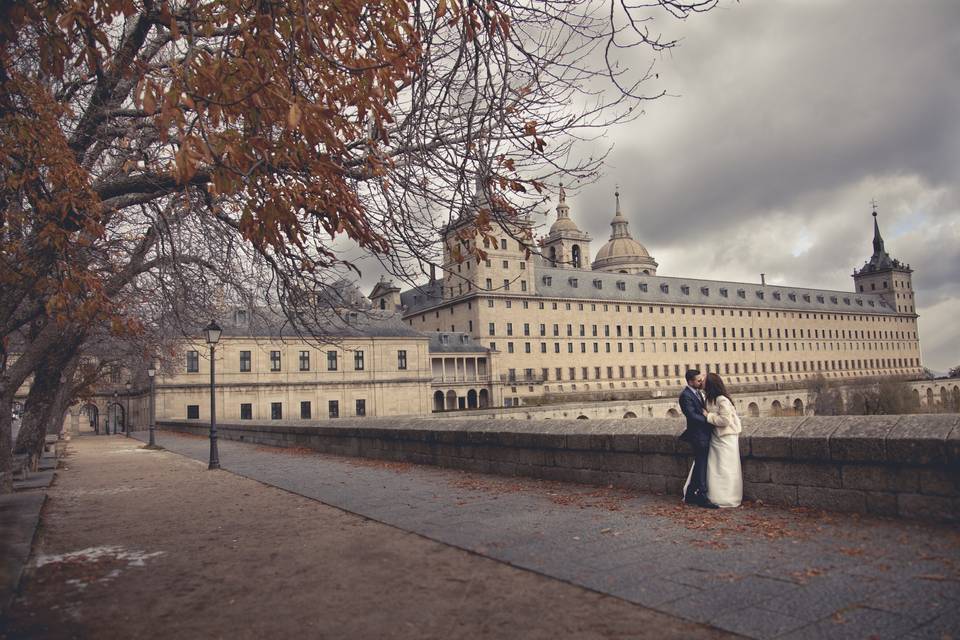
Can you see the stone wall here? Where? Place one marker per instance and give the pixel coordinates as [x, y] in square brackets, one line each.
[907, 466]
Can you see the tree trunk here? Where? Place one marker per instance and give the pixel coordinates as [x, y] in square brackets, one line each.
[6, 435]
[47, 401]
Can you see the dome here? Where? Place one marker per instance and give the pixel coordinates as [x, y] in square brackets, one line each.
[622, 253]
[563, 224]
[622, 248]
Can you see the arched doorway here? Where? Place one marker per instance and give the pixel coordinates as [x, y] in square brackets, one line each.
[916, 399]
[438, 401]
[115, 418]
[776, 409]
[753, 410]
[582, 417]
[798, 407]
[944, 398]
[956, 398]
[451, 400]
[472, 399]
[629, 414]
[484, 398]
[673, 413]
[929, 397]
[92, 414]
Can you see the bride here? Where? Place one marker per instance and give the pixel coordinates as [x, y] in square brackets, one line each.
[724, 478]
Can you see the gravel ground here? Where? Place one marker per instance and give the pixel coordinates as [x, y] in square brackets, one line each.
[144, 544]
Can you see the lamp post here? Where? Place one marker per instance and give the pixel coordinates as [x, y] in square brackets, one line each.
[151, 372]
[126, 411]
[116, 404]
[213, 332]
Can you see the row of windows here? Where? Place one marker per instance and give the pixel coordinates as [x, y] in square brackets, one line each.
[193, 361]
[727, 346]
[276, 410]
[729, 368]
[830, 334]
[795, 315]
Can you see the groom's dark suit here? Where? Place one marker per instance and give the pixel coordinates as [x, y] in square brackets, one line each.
[697, 434]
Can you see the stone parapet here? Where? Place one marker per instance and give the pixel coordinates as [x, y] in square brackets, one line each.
[906, 466]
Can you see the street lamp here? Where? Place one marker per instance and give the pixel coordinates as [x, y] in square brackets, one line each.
[116, 405]
[213, 332]
[151, 372]
[126, 412]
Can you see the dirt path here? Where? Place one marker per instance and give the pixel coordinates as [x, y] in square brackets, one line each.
[140, 544]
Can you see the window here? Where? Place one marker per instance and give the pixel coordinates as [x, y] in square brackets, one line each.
[331, 360]
[402, 359]
[361, 408]
[503, 244]
[333, 408]
[304, 361]
[276, 411]
[305, 410]
[244, 361]
[246, 411]
[274, 361]
[193, 362]
[358, 360]
[193, 411]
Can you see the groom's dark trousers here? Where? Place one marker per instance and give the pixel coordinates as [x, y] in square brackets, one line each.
[697, 435]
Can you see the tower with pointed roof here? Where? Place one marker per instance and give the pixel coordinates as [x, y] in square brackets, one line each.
[565, 246]
[623, 254]
[885, 275]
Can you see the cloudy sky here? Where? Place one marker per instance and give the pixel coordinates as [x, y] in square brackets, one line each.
[789, 117]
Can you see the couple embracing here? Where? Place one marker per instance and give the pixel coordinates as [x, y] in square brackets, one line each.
[713, 431]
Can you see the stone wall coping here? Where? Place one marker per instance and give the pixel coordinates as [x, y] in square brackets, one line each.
[922, 439]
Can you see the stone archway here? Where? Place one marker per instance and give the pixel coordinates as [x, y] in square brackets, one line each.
[582, 417]
[451, 400]
[438, 401]
[92, 413]
[673, 413]
[944, 398]
[753, 410]
[484, 398]
[956, 398]
[798, 407]
[916, 399]
[776, 409]
[929, 396]
[629, 414]
[115, 418]
[472, 399]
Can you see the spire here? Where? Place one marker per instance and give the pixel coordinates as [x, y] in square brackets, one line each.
[877, 239]
[619, 223]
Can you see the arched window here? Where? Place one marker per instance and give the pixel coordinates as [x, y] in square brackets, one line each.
[575, 252]
[553, 256]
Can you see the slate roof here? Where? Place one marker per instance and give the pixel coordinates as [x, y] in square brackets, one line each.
[370, 323]
[454, 342]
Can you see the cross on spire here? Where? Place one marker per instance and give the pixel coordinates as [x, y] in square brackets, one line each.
[873, 203]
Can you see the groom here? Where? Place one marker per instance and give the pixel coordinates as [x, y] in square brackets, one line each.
[697, 435]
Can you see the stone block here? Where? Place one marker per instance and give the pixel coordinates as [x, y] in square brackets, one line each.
[601, 442]
[940, 482]
[660, 443]
[770, 493]
[755, 470]
[811, 439]
[626, 442]
[920, 439]
[589, 476]
[578, 459]
[770, 437]
[832, 499]
[549, 440]
[938, 508]
[881, 504]
[503, 468]
[804, 473]
[579, 441]
[862, 438]
[953, 448]
[617, 461]
[664, 465]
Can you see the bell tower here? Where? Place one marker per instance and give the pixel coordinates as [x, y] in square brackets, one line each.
[565, 246]
[886, 276]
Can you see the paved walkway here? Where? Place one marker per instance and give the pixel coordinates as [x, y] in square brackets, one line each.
[148, 544]
[759, 571]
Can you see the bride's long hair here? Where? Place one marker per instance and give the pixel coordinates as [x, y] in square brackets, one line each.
[713, 388]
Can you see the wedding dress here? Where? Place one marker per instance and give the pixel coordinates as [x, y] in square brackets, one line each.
[724, 475]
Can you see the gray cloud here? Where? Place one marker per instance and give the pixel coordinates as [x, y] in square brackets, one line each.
[791, 117]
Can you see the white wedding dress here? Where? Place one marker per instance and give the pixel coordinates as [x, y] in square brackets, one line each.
[724, 475]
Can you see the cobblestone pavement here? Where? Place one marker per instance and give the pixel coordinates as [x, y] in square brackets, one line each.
[759, 571]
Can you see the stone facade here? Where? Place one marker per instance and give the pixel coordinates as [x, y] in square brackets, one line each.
[560, 329]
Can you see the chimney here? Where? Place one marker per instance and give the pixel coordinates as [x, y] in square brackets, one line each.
[763, 279]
